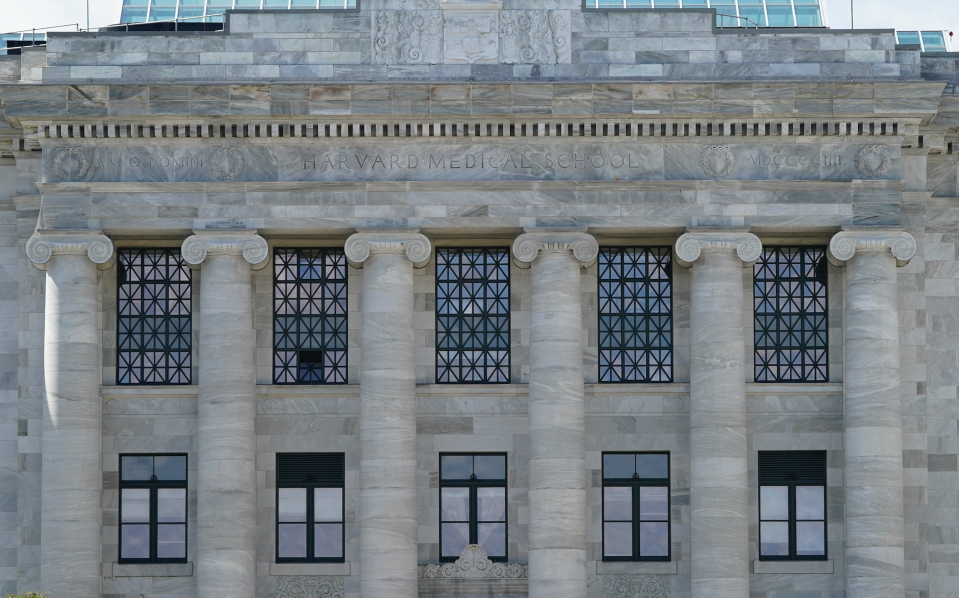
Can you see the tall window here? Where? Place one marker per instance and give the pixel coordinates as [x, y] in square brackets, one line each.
[472, 315]
[791, 321]
[635, 314]
[309, 316]
[153, 508]
[309, 507]
[153, 317]
[473, 504]
[792, 505]
[636, 507]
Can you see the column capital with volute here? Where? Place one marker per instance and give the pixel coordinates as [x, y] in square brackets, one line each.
[697, 241]
[534, 242]
[246, 243]
[860, 239]
[361, 245]
[44, 244]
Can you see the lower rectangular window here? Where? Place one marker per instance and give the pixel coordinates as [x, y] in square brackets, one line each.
[473, 504]
[310, 507]
[153, 505]
[636, 507]
[792, 505]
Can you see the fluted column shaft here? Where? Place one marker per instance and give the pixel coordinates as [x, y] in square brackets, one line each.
[718, 477]
[70, 521]
[557, 467]
[387, 517]
[226, 442]
[874, 557]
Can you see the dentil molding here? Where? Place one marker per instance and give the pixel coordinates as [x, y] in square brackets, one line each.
[528, 246]
[852, 240]
[246, 243]
[45, 244]
[360, 246]
[696, 242]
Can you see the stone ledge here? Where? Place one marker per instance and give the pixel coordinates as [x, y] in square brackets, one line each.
[754, 388]
[634, 568]
[153, 570]
[310, 569]
[793, 567]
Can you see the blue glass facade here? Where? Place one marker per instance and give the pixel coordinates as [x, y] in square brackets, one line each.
[148, 11]
[738, 13]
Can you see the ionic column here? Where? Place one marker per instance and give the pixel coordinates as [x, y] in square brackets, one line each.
[557, 466]
[387, 516]
[71, 442]
[872, 412]
[226, 445]
[718, 480]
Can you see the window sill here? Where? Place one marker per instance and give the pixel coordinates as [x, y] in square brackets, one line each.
[310, 569]
[153, 570]
[636, 568]
[793, 567]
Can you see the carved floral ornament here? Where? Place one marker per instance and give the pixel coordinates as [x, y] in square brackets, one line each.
[246, 243]
[717, 161]
[310, 586]
[636, 586]
[531, 244]
[360, 246]
[45, 244]
[845, 244]
[696, 242]
[474, 563]
[873, 160]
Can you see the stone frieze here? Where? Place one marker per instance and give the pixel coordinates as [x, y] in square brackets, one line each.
[310, 586]
[474, 563]
[636, 586]
[408, 37]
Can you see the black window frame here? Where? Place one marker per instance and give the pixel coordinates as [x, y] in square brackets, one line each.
[283, 368]
[175, 376]
[495, 374]
[665, 253]
[793, 477]
[153, 486]
[310, 485]
[777, 349]
[474, 517]
[635, 484]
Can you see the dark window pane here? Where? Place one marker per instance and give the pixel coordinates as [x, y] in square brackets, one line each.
[810, 538]
[492, 537]
[291, 540]
[654, 503]
[136, 468]
[328, 540]
[619, 466]
[327, 504]
[135, 505]
[490, 504]
[810, 503]
[653, 539]
[170, 468]
[652, 466]
[171, 541]
[456, 467]
[774, 503]
[455, 504]
[490, 467]
[618, 539]
[171, 505]
[135, 541]
[291, 505]
[455, 538]
[617, 503]
[774, 538]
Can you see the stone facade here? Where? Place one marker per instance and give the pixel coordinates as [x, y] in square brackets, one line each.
[532, 126]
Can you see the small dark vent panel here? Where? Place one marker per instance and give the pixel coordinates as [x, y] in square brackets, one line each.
[310, 468]
[792, 466]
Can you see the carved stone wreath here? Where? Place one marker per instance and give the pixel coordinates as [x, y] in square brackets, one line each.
[717, 153]
[636, 586]
[227, 163]
[70, 164]
[474, 563]
[310, 586]
[867, 157]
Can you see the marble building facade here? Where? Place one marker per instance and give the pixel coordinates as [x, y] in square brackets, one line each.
[363, 152]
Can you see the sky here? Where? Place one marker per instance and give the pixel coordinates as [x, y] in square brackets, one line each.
[870, 14]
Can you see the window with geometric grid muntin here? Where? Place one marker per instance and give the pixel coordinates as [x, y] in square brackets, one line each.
[472, 316]
[153, 317]
[309, 316]
[635, 314]
[791, 317]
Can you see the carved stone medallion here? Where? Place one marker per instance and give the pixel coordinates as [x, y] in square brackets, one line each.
[227, 163]
[474, 563]
[69, 164]
[310, 586]
[408, 37]
[873, 160]
[636, 586]
[717, 161]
